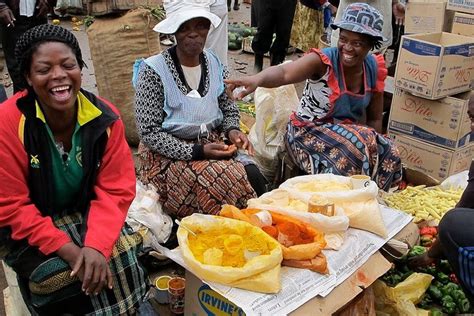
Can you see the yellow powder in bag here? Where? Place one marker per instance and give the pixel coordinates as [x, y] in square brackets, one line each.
[232, 243]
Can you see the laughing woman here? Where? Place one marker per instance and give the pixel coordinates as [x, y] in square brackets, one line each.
[183, 115]
[66, 181]
[337, 126]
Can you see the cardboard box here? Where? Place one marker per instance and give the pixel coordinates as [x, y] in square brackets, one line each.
[442, 122]
[466, 6]
[427, 17]
[434, 161]
[463, 24]
[200, 299]
[435, 65]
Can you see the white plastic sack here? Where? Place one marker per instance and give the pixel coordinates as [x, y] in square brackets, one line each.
[273, 108]
[145, 212]
[326, 224]
[360, 205]
[69, 6]
[456, 181]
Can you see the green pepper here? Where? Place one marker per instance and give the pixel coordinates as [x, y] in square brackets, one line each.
[445, 266]
[464, 305]
[435, 292]
[458, 295]
[449, 307]
[436, 312]
[425, 302]
[416, 251]
[452, 287]
[442, 277]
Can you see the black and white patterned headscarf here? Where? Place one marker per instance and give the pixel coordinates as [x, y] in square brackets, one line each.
[31, 39]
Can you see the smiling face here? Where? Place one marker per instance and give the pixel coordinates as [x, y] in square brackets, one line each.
[191, 36]
[353, 48]
[55, 76]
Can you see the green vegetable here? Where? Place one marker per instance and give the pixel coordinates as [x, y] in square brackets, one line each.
[448, 305]
[426, 301]
[247, 32]
[458, 295]
[442, 277]
[445, 266]
[436, 312]
[234, 46]
[464, 305]
[435, 292]
[416, 251]
[232, 37]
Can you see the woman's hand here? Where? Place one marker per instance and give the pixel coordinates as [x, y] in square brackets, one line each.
[219, 151]
[42, 8]
[240, 140]
[6, 16]
[249, 83]
[398, 10]
[97, 273]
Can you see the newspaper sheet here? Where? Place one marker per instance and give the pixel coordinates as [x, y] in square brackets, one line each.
[300, 285]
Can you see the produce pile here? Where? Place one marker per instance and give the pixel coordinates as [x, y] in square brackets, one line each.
[424, 203]
[444, 295]
[236, 33]
[247, 108]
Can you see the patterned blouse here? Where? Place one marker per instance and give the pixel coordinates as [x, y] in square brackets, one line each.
[149, 108]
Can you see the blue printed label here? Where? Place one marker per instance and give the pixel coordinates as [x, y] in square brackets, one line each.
[421, 48]
[466, 50]
[215, 304]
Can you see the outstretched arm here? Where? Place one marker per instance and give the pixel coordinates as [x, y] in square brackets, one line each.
[306, 67]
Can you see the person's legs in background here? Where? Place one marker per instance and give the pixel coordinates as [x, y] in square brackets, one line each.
[284, 22]
[10, 36]
[217, 40]
[265, 28]
[236, 5]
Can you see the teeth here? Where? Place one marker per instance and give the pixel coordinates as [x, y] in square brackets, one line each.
[60, 88]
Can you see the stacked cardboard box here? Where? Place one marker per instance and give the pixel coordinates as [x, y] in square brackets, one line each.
[434, 81]
[463, 21]
[427, 16]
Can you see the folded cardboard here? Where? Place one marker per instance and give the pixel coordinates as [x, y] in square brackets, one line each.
[434, 161]
[427, 17]
[463, 24]
[444, 122]
[200, 299]
[466, 6]
[435, 65]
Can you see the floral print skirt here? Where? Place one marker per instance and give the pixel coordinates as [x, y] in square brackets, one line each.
[343, 149]
[198, 186]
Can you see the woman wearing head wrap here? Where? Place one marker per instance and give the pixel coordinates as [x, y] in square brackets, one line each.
[183, 113]
[336, 127]
[67, 179]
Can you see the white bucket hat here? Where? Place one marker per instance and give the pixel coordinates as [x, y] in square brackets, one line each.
[180, 11]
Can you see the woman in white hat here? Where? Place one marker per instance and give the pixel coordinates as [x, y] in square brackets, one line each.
[337, 126]
[183, 116]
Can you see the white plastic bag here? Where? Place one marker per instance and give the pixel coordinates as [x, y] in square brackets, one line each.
[146, 213]
[456, 181]
[326, 224]
[69, 6]
[273, 108]
[360, 205]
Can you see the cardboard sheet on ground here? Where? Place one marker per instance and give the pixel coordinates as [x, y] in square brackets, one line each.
[299, 285]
